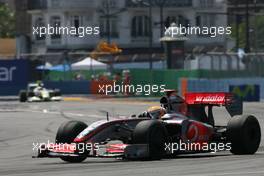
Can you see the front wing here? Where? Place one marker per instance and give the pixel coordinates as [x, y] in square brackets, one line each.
[38, 99]
[131, 151]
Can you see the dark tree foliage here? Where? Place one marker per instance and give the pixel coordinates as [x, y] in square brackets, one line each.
[7, 22]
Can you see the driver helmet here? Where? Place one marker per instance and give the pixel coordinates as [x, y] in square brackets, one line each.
[40, 83]
[156, 112]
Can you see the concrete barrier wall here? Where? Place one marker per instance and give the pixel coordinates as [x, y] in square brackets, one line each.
[70, 87]
[9, 90]
[14, 75]
[222, 85]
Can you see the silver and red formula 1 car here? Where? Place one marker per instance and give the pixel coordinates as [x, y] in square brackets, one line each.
[187, 126]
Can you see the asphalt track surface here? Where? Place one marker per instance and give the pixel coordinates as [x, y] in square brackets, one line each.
[21, 125]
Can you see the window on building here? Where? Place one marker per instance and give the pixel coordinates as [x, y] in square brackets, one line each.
[169, 20]
[109, 3]
[205, 20]
[55, 3]
[207, 3]
[198, 21]
[178, 20]
[22, 5]
[140, 26]
[113, 27]
[76, 21]
[39, 22]
[181, 20]
[55, 21]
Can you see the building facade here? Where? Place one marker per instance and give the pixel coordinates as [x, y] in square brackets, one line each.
[124, 22]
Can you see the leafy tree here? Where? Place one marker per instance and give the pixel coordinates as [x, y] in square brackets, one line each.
[257, 24]
[7, 21]
[260, 32]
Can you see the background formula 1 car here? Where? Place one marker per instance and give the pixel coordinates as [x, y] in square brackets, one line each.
[36, 92]
[148, 138]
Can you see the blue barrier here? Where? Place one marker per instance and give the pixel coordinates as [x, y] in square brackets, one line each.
[246, 92]
[69, 87]
[223, 85]
[14, 75]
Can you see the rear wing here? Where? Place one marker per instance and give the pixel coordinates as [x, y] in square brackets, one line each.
[233, 104]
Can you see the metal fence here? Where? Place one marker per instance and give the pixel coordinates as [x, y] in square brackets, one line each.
[62, 70]
[253, 63]
[226, 64]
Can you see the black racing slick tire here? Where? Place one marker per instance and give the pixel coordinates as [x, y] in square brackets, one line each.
[57, 92]
[244, 134]
[22, 96]
[153, 133]
[66, 134]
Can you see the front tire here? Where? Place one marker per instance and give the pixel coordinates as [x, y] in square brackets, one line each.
[153, 133]
[244, 134]
[66, 134]
[22, 96]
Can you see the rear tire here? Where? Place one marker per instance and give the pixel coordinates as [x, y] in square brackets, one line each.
[153, 133]
[244, 134]
[66, 133]
[22, 96]
[57, 92]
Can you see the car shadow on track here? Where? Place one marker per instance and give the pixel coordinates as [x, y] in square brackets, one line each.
[112, 160]
[193, 156]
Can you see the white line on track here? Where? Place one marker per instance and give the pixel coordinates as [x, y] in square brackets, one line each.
[229, 173]
[45, 111]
